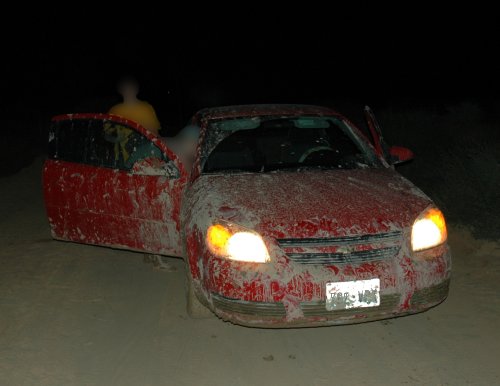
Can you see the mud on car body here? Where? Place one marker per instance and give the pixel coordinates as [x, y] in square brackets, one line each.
[290, 215]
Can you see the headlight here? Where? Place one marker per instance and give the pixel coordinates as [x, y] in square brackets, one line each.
[429, 230]
[236, 243]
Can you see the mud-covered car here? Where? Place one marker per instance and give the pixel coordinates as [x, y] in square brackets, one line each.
[290, 216]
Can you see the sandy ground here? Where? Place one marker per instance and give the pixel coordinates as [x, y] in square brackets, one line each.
[80, 315]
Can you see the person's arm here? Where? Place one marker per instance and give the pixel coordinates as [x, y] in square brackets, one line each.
[154, 121]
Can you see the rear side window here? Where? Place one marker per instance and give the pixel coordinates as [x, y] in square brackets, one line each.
[99, 142]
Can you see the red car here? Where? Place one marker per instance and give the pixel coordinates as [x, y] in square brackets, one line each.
[290, 216]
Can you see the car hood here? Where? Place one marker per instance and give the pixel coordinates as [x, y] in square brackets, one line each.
[307, 204]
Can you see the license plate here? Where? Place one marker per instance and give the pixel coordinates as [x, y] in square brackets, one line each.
[352, 294]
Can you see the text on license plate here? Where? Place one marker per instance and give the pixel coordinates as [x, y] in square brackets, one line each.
[352, 294]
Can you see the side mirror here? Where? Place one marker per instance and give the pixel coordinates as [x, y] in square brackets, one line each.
[399, 154]
[155, 167]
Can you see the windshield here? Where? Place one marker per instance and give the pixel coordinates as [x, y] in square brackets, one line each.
[291, 143]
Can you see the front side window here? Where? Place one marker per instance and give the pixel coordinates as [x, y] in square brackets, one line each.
[100, 143]
[285, 143]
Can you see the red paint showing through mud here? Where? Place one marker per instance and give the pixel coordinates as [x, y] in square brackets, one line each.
[356, 222]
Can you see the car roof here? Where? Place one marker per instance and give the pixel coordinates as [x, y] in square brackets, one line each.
[253, 110]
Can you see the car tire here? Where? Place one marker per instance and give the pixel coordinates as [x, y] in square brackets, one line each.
[195, 308]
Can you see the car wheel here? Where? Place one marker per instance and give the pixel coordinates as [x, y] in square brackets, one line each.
[195, 308]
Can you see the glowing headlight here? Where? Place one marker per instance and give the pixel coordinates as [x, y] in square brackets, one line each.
[236, 244]
[429, 230]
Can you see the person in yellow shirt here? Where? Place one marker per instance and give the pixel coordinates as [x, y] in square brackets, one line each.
[133, 108]
[140, 112]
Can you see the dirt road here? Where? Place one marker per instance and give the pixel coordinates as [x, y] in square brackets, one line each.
[80, 315]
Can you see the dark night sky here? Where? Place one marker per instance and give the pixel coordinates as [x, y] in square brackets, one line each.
[71, 62]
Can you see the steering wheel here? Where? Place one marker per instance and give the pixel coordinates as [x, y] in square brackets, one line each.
[313, 150]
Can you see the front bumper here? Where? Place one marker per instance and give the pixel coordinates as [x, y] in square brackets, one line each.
[288, 293]
[274, 315]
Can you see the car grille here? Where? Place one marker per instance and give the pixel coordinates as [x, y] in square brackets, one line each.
[345, 250]
[387, 303]
[276, 310]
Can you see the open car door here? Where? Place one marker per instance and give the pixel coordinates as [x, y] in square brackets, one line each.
[108, 181]
[394, 154]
